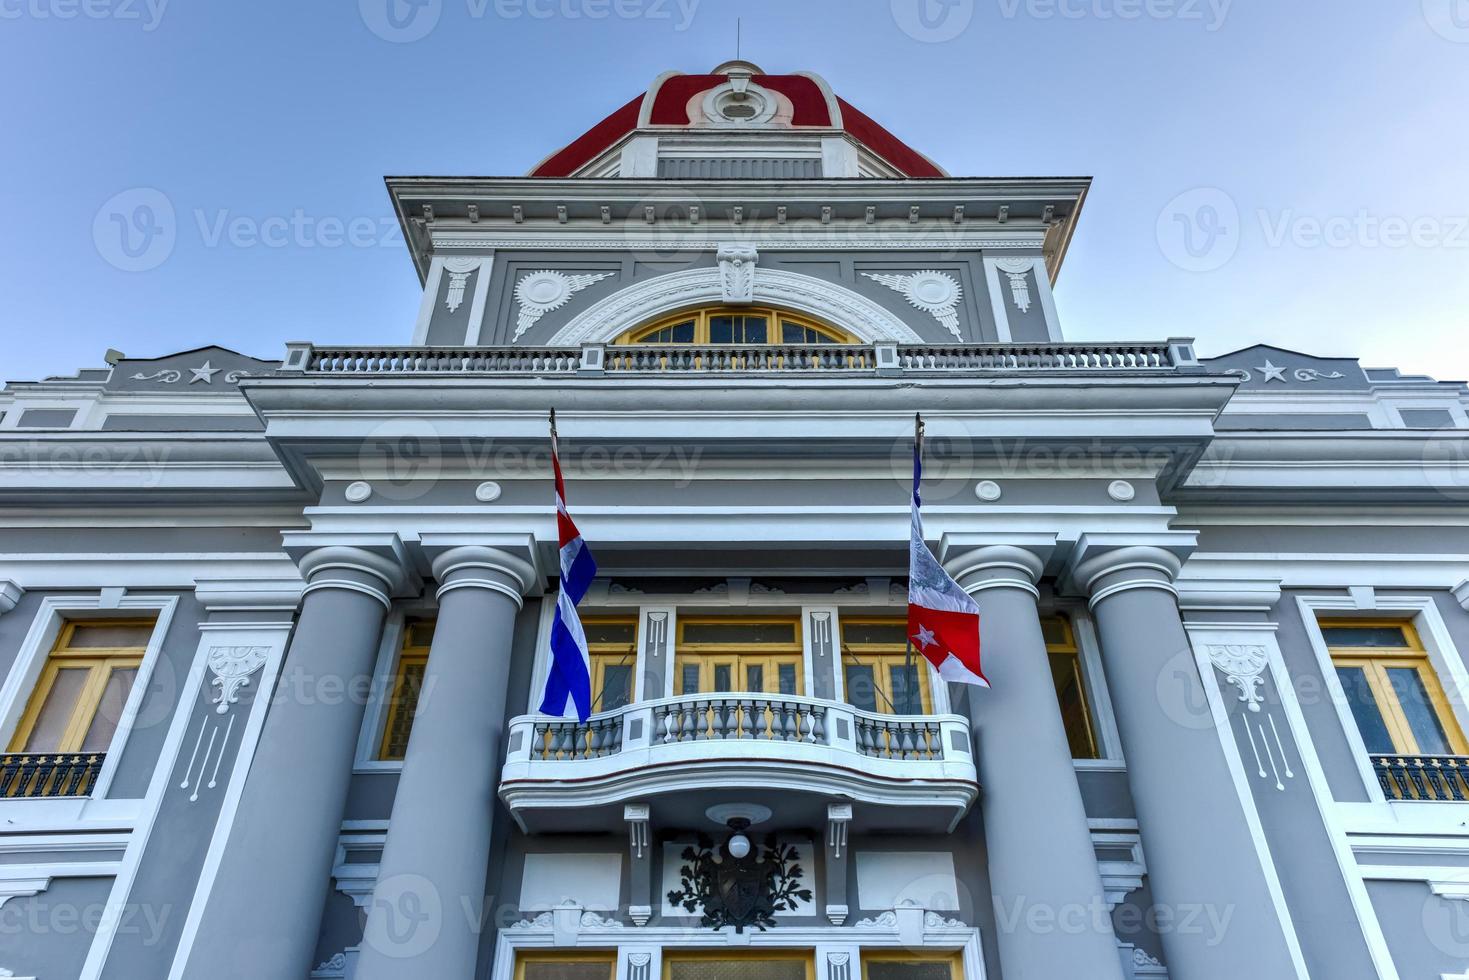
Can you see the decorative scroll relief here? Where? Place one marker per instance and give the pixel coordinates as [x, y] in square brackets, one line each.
[204, 372]
[1243, 666]
[737, 272]
[935, 293]
[232, 667]
[459, 270]
[1017, 271]
[1270, 371]
[538, 293]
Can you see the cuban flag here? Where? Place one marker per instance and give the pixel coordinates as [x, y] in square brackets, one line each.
[943, 619]
[570, 676]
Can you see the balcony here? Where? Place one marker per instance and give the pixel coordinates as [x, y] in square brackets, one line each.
[793, 754]
[1423, 778]
[643, 360]
[26, 775]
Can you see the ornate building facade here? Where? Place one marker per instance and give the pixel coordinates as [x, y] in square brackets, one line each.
[272, 632]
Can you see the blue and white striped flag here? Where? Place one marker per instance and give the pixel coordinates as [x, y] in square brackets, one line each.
[570, 676]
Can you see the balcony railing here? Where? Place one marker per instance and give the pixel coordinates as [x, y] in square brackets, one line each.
[704, 359]
[41, 775]
[1423, 778]
[559, 773]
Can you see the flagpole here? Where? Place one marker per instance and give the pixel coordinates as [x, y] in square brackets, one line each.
[908, 670]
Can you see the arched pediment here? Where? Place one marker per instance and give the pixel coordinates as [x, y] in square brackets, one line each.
[646, 301]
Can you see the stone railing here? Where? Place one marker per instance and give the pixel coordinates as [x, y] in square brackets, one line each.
[1423, 778]
[44, 775]
[735, 717]
[665, 360]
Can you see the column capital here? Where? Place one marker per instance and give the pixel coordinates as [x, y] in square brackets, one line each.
[503, 563]
[374, 564]
[1102, 565]
[10, 595]
[1005, 560]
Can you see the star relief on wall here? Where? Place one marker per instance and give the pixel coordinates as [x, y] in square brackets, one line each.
[538, 293]
[933, 292]
[204, 372]
[1270, 371]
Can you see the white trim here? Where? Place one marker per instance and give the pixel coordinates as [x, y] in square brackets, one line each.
[1104, 717]
[626, 940]
[998, 309]
[52, 615]
[385, 670]
[642, 302]
[1224, 731]
[431, 285]
[473, 332]
[1326, 806]
[277, 636]
[1437, 642]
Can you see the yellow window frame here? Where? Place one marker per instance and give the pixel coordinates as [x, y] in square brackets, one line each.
[604, 956]
[739, 656]
[881, 656]
[955, 958]
[1375, 663]
[775, 330]
[606, 654]
[1065, 659]
[100, 662]
[807, 957]
[411, 654]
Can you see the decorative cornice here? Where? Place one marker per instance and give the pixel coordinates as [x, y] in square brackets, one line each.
[651, 298]
[1214, 595]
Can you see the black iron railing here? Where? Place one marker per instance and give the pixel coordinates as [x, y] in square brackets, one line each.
[1423, 778]
[33, 775]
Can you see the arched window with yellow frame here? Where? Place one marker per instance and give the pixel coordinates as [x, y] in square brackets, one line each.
[737, 325]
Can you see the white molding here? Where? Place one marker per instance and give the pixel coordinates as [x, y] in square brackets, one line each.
[645, 301]
[475, 329]
[935, 933]
[1094, 677]
[1224, 731]
[998, 307]
[1329, 810]
[1448, 664]
[276, 636]
[30, 661]
[835, 240]
[431, 285]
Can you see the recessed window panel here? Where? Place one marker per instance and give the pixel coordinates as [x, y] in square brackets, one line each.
[735, 633]
[616, 687]
[1365, 636]
[1407, 684]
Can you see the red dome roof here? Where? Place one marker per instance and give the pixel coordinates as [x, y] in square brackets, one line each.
[667, 104]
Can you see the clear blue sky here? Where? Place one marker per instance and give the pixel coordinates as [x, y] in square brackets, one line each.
[1336, 130]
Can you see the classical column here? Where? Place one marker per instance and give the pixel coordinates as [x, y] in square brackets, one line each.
[1208, 866]
[266, 899]
[1048, 899]
[10, 596]
[430, 890]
